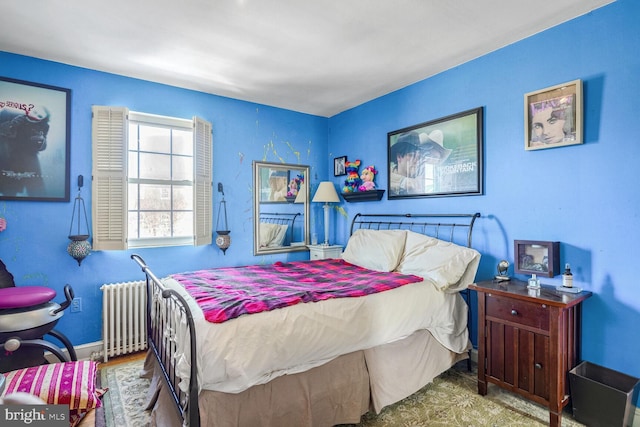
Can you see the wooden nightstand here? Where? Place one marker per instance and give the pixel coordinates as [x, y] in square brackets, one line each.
[324, 252]
[528, 341]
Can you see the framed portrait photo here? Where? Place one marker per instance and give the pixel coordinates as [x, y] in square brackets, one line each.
[439, 158]
[553, 116]
[34, 141]
[339, 166]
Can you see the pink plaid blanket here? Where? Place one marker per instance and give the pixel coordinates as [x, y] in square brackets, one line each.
[227, 293]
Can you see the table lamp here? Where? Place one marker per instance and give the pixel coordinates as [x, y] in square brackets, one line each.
[301, 197]
[326, 193]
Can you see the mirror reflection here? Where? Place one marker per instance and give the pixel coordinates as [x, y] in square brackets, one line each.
[281, 207]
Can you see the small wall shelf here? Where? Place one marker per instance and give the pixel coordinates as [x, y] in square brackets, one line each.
[363, 196]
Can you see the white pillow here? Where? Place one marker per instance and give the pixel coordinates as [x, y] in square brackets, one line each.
[272, 235]
[266, 233]
[451, 267]
[379, 250]
[278, 238]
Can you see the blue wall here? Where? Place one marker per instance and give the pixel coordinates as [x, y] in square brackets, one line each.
[583, 196]
[34, 245]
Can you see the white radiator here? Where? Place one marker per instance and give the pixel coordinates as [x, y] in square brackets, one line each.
[124, 318]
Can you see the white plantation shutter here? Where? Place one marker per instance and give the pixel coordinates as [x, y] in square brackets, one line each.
[109, 185]
[109, 177]
[202, 186]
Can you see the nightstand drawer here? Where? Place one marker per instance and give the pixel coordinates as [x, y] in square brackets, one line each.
[521, 312]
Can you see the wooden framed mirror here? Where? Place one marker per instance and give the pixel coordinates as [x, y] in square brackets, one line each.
[280, 208]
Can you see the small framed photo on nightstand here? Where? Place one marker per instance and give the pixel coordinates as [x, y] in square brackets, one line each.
[537, 257]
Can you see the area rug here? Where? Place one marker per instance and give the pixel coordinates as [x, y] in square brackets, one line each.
[125, 401]
[451, 400]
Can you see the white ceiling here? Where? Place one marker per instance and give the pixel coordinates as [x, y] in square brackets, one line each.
[314, 56]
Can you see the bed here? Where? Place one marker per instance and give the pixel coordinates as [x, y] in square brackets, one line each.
[328, 361]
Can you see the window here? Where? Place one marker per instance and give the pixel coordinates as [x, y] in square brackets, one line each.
[151, 180]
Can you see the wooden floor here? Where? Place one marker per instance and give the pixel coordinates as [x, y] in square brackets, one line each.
[124, 359]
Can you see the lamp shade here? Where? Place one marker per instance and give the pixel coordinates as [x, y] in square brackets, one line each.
[301, 197]
[326, 192]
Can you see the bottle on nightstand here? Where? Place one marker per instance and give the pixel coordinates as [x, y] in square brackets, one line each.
[567, 277]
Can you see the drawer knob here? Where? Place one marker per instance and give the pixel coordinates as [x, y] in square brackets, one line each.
[538, 366]
[514, 312]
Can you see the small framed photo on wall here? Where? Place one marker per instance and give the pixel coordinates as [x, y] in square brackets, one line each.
[553, 116]
[339, 166]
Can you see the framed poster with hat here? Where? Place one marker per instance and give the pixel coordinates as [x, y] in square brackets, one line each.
[34, 141]
[439, 158]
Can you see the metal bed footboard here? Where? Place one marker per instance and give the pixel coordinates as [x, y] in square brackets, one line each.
[169, 319]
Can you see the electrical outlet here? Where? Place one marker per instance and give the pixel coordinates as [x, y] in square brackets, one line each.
[76, 305]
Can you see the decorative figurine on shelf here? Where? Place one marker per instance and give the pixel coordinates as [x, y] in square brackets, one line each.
[367, 177]
[293, 188]
[360, 188]
[294, 185]
[353, 181]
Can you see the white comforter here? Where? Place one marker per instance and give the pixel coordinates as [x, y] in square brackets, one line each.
[254, 349]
